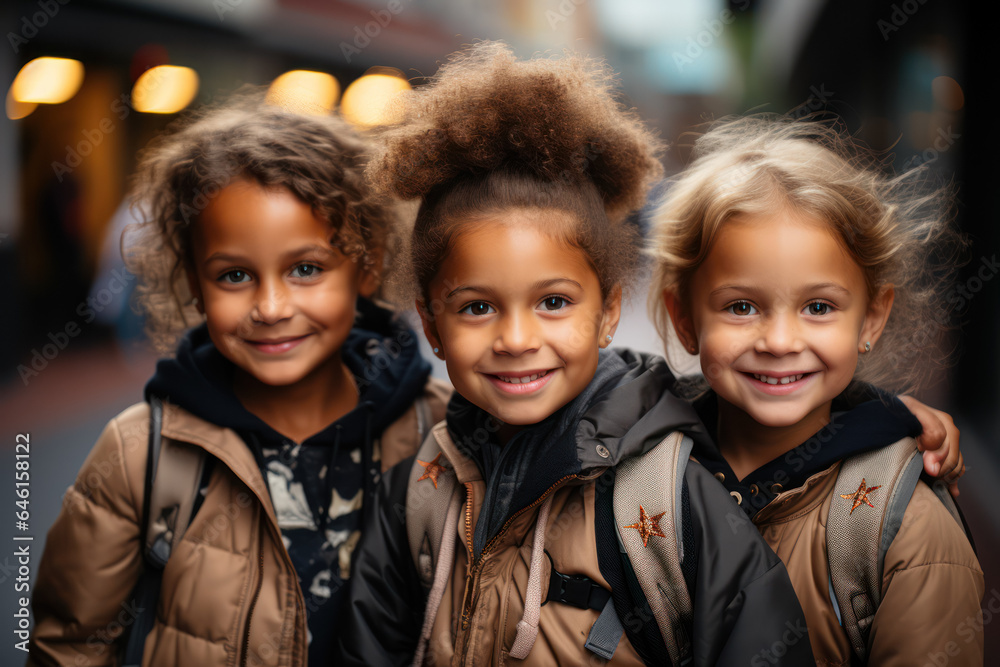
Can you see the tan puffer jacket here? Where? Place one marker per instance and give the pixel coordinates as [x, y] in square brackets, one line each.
[497, 586]
[230, 595]
[931, 587]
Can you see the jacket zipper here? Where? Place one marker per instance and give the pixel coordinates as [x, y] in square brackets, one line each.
[477, 565]
[468, 519]
[253, 602]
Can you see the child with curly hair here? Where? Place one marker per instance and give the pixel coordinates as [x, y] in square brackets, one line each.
[264, 242]
[795, 268]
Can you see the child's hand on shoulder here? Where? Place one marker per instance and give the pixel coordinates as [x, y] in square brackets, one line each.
[938, 442]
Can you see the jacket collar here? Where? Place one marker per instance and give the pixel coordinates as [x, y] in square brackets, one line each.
[859, 428]
[800, 500]
[222, 443]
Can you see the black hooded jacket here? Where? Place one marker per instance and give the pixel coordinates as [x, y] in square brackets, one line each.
[741, 594]
[320, 514]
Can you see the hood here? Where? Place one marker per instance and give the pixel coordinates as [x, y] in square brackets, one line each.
[625, 410]
[381, 352]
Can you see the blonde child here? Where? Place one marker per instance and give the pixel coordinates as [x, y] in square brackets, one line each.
[262, 247]
[796, 269]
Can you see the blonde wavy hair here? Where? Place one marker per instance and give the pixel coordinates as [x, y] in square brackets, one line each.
[319, 159]
[897, 228]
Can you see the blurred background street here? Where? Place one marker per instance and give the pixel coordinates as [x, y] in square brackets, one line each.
[88, 83]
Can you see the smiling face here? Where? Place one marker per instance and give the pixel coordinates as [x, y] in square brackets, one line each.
[779, 313]
[279, 300]
[519, 316]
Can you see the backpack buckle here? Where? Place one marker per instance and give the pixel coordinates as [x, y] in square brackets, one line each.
[576, 590]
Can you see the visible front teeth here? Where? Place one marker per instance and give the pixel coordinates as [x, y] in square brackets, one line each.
[785, 380]
[521, 380]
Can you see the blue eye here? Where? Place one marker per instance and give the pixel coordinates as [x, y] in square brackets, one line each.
[554, 303]
[741, 309]
[306, 271]
[478, 309]
[235, 277]
[819, 308]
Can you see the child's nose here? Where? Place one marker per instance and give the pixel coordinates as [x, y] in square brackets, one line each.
[272, 302]
[518, 334]
[780, 335]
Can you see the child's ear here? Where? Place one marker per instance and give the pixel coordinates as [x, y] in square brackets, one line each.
[612, 314]
[430, 330]
[195, 289]
[681, 319]
[876, 317]
[370, 276]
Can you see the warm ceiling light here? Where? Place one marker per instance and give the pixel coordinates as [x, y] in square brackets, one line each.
[47, 81]
[303, 91]
[367, 101]
[164, 89]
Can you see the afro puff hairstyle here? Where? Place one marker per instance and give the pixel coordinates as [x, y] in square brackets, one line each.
[491, 133]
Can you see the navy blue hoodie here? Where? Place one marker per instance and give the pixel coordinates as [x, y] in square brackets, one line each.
[320, 514]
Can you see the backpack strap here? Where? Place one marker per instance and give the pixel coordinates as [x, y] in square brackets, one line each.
[870, 497]
[174, 478]
[430, 491]
[648, 512]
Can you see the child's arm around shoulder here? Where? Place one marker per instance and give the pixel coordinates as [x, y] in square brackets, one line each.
[92, 556]
[931, 591]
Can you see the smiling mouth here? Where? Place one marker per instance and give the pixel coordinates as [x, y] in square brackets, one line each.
[521, 379]
[525, 383]
[276, 345]
[771, 379]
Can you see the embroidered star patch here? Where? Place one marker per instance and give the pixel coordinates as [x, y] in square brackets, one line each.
[647, 525]
[432, 470]
[860, 497]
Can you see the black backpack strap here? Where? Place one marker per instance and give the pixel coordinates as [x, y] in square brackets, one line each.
[147, 590]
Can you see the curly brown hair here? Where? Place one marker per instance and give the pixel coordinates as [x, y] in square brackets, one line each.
[319, 159]
[898, 229]
[491, 133]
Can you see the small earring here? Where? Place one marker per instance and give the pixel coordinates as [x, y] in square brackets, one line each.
[194, 301]
[868, 347]
[608, 337]
[436, 350]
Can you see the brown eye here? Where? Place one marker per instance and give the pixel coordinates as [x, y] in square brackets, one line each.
[477, 309]
[554, 303]
[818, 308]
[742, 308]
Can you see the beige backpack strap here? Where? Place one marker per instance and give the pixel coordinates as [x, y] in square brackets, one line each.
[403, 437]
[176, 482]
[431, 489]
[648, 512]
[870, 497]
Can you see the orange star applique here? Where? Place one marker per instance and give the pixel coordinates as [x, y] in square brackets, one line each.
[860, 497]
[647, 525]
[432, 470]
